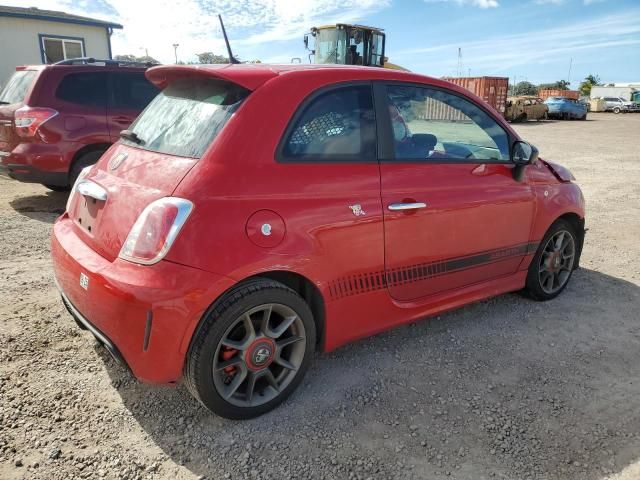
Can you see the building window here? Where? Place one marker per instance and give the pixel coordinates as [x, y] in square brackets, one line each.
[56, 48]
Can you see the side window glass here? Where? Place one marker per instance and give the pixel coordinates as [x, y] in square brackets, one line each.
[88, 89]
[336, 125]
[433, 125]
[132, 90]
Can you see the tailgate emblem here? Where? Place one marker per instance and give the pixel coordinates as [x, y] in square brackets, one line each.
[117, 160]
[84, 281]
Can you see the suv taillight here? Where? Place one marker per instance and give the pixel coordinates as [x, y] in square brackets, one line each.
[155, 230]
[29, 119]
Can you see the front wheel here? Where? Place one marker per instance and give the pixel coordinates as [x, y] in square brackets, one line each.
[553, 263]
[251, 350]
[616, 110]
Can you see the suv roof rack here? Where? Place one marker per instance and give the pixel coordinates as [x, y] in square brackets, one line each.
[88, 60]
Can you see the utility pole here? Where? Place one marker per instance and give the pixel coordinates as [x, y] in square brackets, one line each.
[569, 75]
[175, 50]
[459, 70]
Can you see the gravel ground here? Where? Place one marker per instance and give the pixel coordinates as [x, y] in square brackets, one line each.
[506, 389]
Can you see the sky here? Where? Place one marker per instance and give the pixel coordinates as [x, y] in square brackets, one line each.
[534, 40]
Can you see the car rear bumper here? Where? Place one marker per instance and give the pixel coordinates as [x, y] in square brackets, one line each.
[28, 174]
[35, 163]
[144, 315]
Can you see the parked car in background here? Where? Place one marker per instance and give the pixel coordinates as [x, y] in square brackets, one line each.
[521, 109]
[57, 119]
[188, 250]
[619, 105]
[566, 108]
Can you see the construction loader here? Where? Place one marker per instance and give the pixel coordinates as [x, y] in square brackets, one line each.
[347, 44]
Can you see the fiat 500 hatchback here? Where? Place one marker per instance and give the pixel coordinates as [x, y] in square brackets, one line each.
[253, 214]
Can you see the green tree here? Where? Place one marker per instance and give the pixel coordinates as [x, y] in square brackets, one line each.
[524, 88]
[133, 58]
[587, 83]
[559, 85]
[210, 57]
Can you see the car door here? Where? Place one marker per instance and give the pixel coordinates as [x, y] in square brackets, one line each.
[453, 213]
[129, 94]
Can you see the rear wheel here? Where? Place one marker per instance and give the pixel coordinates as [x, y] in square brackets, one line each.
[85, 160]
[616, 110]
[251, 350]
[553, 263]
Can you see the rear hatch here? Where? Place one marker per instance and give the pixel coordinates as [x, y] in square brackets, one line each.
[151, 159]
[12, 97]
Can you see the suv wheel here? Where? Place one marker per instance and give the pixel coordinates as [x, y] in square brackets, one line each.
[84, 161]
[251, 350]
[553, 263]
[616, 110]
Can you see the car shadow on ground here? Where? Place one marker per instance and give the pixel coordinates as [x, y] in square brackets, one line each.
[506, 387]
[550, 121]
[44, 208]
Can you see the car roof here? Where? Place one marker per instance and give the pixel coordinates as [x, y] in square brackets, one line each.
[252, 76]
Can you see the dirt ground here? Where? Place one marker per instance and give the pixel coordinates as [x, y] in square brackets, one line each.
[503, 389]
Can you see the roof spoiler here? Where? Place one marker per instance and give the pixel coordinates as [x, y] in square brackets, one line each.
[247, 76]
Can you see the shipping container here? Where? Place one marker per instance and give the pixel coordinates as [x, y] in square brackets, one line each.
[573, 94]
[492, 90]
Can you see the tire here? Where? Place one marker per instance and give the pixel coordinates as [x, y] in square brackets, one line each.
[548, 260]
[221, 364]
[57, 188]
[616, 110]
[85, 160]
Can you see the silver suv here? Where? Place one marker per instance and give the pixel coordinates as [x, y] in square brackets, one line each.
[618, 105]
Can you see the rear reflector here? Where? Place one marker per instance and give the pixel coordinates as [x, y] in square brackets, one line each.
[29, 119]
[155, 230]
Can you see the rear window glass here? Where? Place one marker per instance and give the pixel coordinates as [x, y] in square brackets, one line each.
[186, 116]
[17, 87]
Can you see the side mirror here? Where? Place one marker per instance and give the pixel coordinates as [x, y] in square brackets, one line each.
[523, 154]
[306, 41]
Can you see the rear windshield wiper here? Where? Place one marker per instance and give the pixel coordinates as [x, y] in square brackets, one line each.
[131, 136]
[2, 102]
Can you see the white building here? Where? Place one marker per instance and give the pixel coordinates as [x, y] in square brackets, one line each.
[30, 36]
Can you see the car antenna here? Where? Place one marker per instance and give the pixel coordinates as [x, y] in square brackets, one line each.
[232, 59]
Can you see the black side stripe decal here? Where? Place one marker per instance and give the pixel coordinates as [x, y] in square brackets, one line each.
[359, 283]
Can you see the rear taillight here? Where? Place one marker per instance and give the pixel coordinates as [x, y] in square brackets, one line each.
[155, 230]
[29, 119]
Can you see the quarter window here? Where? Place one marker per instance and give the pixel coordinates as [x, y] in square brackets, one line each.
[434, 125]
[88, 89]
[132, 91]
[336, 125]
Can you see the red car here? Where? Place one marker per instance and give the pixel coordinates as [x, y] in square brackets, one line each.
[253, 214]
[57, 119]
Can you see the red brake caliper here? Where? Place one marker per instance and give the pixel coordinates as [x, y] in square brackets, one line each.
[228, 353]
